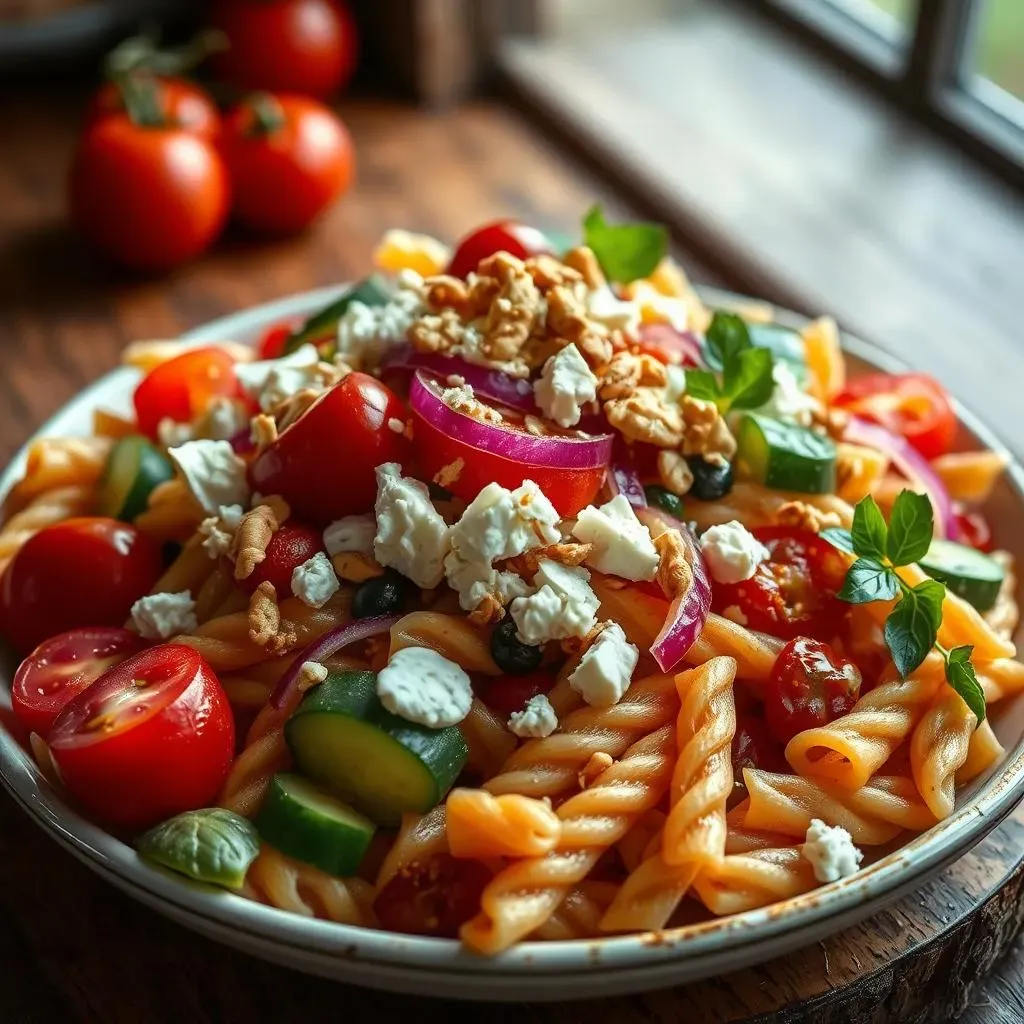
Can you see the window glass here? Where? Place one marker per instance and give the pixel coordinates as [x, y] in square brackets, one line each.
[996, 55]
[892, 19]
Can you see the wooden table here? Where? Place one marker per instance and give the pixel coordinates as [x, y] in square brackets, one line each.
[74, 949]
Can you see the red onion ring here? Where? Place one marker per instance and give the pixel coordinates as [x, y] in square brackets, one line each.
[327, 646]
[672, 342]
[623, 479]
[553, 450]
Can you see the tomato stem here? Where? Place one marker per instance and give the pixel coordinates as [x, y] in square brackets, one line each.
[267, 114]
[142, 53]
[140, 95]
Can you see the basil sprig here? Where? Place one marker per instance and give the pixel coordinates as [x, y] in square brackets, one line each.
[626, 252]
[912, 628]
[746, 380]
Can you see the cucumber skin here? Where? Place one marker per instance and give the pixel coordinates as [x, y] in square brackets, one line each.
[372, 291]
[804, 473]
[152, 468]
[980, 593]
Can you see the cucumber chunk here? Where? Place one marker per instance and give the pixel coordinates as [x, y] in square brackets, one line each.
[306, 823]
[968, 573]
[371, 291]
[784, 344]
[785, 456]
[344, 738]
[134, 467]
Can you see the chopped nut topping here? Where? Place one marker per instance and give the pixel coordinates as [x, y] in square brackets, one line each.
[438, 333]
[568, 318]
[490, 609]
[446, 292]
[311, 673]
[584, 262]
[513, 313]
[645, 416]
[253, 536]
[264, 431]
[627, 372]
[705, 431]
[675, 576]
[548, 272]
[805, 517]
[355, 567]
[674, 472]
[462, 399]
[264, 615]
[577, 646]
[448, 475]
[527, 563]
[598, 763]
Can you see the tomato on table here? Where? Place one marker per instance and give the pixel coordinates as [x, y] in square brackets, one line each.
[183, 103]
[809, 686]
[509, 236]
[81, 572]
[149, 739]
[507, 694]
[289, 547]
[912, 405]
[62, 667]
[324, 464]
[794, 592]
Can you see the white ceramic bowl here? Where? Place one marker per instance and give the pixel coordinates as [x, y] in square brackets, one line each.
[535, 971]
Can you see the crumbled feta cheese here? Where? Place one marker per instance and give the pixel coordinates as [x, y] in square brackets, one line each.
[314, 582]
[658, 308]
[461, 399]
[224, 419]
[396, 425]
[499, 523]
[789, 402]
[470, 347]
[365, 333]
[271, 381]
[607, 308]
[213, 472]
[735, 613]
[351, 533]
[606, 668]
[411, 535]
[732, 552]
[219, 530]
[564, 386]
[474, 582]
[537, 719]
[831, 851]
[622, 544]
[171, 434]
[563, 606]
[675, 386]
[422, 686]
[161, 616]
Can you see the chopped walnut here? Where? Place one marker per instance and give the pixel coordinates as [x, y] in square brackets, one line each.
[548, 272]
[527, 563]
[253, 536]
[585, 263]
[355, 567]
[514, 312]
[490, 609]
[599, 762]
[311, 673]
[645, 416]
[627, 372]
[264, 431]
[675, 576]
[449, 474]
[567, 317]
[446, 292]
[285, 640]
[482, 293]
[437, 333]
[674, 472]
[577, 646]
[264, 615]
[705, 431]
[805, 517]
[462, 399]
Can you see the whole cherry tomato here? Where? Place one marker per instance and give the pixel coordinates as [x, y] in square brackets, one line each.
[62, 667]
[502, 236]
[324, 464]
[81, 572]
[149, 739]
[289, 158]
[435, 897]
[181, 388]
[809, 686]
[507, 694]
[975, 531]
[149, 196]
[913, 405]
[183, 103]
[289, 547]
[302, 46]
[794, 591]
[753, 746]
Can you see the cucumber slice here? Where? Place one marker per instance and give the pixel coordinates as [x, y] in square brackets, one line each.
[371, 291]
[306, 823]
[968, 573]
[344, 738]
[784, 456]
[134, 467]
[783, 343]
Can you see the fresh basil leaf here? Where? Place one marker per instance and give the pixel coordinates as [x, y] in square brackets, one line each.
[726, 337]
[625, 251]
[961, 676]
[210, 845]
[839, 537]
[912, 626]
[748, 381]
[930, 595]
[702, 384]
[869, 530]
[911, 527]
[868, 580]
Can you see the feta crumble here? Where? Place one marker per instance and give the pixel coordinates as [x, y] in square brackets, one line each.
[536, 720]
[606, 668]
[411, 535]
[565, 385]
[831, 851]
[474, 582]
[422, 686]
[351, 533]
[219, 531]
[563, 606]
[271, 381]
[314, 582]
[604, 306]
[365, 333]
[213, 472]
[789, 402]
[732, 552]
[622, 544]
[161, 616]
[171, 434]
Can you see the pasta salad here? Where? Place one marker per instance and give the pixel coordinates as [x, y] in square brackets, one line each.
[516, 594]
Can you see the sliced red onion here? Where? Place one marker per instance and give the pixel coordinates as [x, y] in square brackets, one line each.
[553, 450]
[913, 465]
[688, 612]
[623, 479]
[326, 647]
[671, 341]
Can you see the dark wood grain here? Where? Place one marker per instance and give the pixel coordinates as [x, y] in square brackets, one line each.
[75, 950]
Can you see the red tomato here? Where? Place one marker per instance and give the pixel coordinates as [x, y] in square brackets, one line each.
[668, 345]
[324, 464]
[809, 686]
[289, 158]
[289, 547]
[911, 404]
[753, 746]
[271, 345]
[149, 739]
[975, 531]
[147, 197]
[184, 104]
[81, 572]
[507, 694]
[303, 46]
[62, 667]
[501, 236]
[794, 591]
[432, 898]
[181, 388]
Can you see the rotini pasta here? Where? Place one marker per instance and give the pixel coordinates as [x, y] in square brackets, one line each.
[938, 750]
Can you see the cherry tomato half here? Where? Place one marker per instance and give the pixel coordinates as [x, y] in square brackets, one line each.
[502, 236]
[794, 591]
[81, 572]
[911, 404]
[149, 739]
[289, 547]
[184, 104]
[976, 531]
[809, 686]
[324, 464]
[507, 694]
[181, 388]
[62, 667]
[271, 344]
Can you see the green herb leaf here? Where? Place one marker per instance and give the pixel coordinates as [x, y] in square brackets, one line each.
[747, 381]
[911, 527]
[869, 530]
[726, 337]
[839, 537]
[961, 676]
[913, 625]
[625, 251]
[868, 580]
[702, 384]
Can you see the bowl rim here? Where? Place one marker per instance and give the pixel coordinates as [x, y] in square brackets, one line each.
[843, 901]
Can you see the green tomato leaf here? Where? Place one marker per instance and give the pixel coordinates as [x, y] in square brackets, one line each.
[702, 384]
[747, 380]
[869, 530]
[961, 676]
[726, 338]
[625, 251]
[913, 625]
[839, 537]
[210, 845]
[869, 580]
[911, 527]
